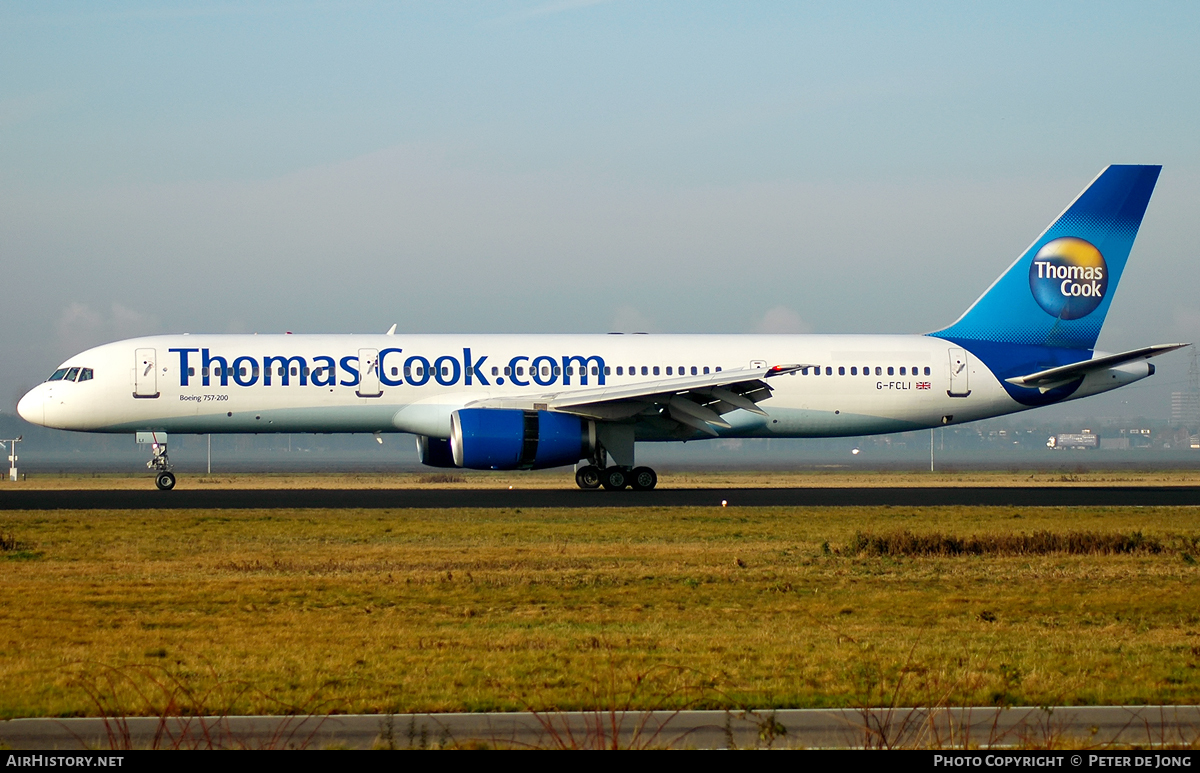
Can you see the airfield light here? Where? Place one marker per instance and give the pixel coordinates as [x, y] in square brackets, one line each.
[11, 445]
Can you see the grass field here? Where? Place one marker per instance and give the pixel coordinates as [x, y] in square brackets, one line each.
[427, 610]
[834, 477]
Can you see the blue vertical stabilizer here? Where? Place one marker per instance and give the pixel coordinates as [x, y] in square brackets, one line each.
[1058, 292]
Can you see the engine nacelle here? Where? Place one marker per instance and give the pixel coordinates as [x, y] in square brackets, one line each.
[435, 452]
[506, 439]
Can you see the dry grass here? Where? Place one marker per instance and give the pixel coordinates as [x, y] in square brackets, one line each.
[1040, 543]
[398, 611]
[556, 479]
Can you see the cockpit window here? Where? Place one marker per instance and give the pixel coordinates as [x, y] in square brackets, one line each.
[71, 374]
[85, 374]
[58, 375]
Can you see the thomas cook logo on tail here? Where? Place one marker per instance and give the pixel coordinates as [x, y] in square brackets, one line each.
[1068, 278]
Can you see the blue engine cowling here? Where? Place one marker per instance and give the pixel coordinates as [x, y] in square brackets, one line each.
[505, 439]
[435, 452]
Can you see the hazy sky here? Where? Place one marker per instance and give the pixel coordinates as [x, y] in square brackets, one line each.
[576, 166]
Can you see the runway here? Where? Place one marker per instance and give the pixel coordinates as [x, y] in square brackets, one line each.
[948, 728]
[291, 499]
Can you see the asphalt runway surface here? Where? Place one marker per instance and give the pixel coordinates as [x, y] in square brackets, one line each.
[291, 499]
[809, 728]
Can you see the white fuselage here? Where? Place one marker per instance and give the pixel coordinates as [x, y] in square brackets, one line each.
[234, 383]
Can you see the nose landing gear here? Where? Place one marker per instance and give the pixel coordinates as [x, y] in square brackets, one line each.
[159, 462]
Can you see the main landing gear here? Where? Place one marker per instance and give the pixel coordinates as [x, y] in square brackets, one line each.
[616, 478]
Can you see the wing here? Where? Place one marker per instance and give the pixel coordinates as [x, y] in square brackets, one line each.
[1046, 380]
[694, 401]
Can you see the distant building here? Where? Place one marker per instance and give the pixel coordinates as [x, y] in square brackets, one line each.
[1185, 409]
[1074, 441]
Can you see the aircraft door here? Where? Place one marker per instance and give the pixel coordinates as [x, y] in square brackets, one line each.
[368, 373]
[960, 367]
[145, 374]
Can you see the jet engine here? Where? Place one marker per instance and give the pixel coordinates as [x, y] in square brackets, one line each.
[435, 452]
[506, 439]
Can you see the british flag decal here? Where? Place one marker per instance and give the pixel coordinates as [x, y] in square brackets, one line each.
[924, 385]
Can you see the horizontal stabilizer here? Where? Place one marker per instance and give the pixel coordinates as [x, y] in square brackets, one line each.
[1045, 380]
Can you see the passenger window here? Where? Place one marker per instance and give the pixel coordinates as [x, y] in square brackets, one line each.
[718, 369]
[891, 371]
[507, 370]
[644, 371]
[495, 371]
[557, 372]
[595, 370]
[878, 371]
[620, 370]
[926, 370]
[279, 372]
[304, 371]
[191, 372]
[693, 370]
[656, 370]
[607, 370]
[853, 371]
[395, 371]
[841, 371]
[204, 371]
[241, 372]
[85, 374]
[520, 370]
[901, 370]
[706, 370]
[297, 373]
[446, 371]
[828, 371]
[668, 370]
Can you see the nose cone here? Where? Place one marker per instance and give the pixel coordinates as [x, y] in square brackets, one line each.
[32, 407]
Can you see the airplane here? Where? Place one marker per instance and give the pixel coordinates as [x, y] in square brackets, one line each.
[507, 402]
